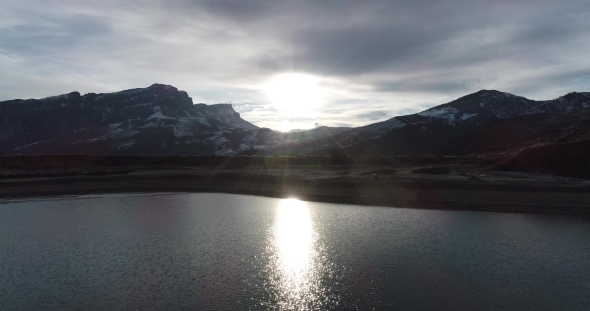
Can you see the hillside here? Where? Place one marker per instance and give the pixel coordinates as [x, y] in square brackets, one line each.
[427, 131]
[570, 159]
[512, 135]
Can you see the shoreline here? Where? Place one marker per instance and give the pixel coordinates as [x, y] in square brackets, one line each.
[368, 194]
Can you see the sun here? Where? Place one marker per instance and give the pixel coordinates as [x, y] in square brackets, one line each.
[295, 94]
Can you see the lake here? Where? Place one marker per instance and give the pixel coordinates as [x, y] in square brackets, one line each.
[206, 251]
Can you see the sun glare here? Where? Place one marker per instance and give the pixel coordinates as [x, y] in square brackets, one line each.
[294, 235]
[297, 264]
[295, 94]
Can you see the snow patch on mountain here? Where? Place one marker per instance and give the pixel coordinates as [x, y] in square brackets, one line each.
[26, 146]
[466, 116]
[91, 140]
[126, 145]
[384, 126]
[448, 114]
[159, 115]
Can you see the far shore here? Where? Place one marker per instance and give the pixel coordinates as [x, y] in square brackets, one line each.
[375, 186]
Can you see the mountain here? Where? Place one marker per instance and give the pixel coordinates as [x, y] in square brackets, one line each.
[158, 119]
[161, 120]
[514, 134]
[427, 131]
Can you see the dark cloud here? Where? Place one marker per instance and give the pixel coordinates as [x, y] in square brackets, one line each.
[435, 39]
[358, 50]
[571, 81]
[236, 10]
[429, 84]
[38, 38]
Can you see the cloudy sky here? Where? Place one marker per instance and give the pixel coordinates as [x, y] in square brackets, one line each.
[361, 61]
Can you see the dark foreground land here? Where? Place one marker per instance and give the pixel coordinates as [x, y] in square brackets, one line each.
[465, 183]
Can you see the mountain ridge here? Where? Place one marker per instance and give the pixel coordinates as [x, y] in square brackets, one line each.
[425, 131]
[113, 122]
[161, 119]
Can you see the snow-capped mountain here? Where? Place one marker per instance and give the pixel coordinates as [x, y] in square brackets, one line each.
[487, 105]
[424, 132]
[158, 119]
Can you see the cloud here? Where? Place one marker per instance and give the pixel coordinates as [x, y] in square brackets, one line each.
[373, 57]
[372, 115]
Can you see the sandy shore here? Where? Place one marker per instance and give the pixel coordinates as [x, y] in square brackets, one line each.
[486, 191]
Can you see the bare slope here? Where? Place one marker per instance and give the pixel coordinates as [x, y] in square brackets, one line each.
[512, 135]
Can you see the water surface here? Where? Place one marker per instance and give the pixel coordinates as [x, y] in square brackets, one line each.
[235, 252]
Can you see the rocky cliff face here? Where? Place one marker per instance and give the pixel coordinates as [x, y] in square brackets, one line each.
[158, 119]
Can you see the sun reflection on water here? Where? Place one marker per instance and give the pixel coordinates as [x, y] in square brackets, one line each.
[293, 238]
[298, 266]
